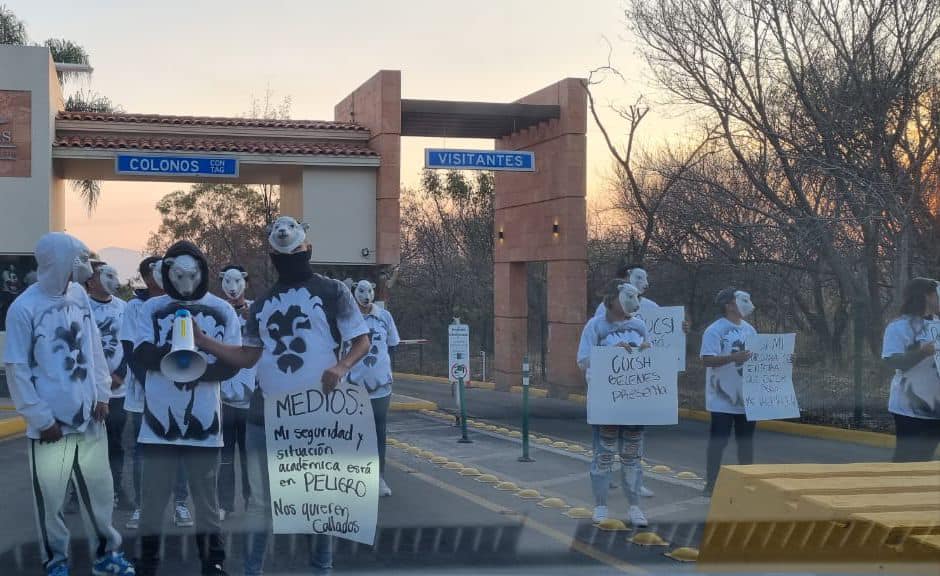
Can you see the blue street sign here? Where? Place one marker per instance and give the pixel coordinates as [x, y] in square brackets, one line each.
[176, 166]
[505, 160]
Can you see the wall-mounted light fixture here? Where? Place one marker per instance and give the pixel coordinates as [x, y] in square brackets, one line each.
[501, 235]
[365, 252]
[555, 231]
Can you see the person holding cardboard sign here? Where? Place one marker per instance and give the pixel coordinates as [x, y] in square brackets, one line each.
[910, 348]
[620, 326]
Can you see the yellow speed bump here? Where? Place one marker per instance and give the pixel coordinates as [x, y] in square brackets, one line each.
[542, 440]
[470, 472]
[529, 494]
[489, 427]
[506, 486]
[687, 476]
[453, 466]
[501, 430]
[414, 450]
[553, 503]
[578, 513]
[611, 525]
[487, 479]
[403, 446]
[647, 539]
[439, 459]
[515, 434]
[392, 442]
[562, 445]
[426, 454]
[684, 554]
[661, 469]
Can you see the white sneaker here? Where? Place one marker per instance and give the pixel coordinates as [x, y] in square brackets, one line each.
[182, 517]
[133, 523]
[600, 514]
[637, 518]
[384, 490]
[222, 514]
[646, 492]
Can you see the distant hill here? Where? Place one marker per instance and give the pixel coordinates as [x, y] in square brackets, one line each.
[123, 259]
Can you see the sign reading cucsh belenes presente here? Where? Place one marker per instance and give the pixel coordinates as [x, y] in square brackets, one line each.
[323, 462]
[458, 364]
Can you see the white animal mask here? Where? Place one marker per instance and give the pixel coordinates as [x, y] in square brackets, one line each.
[108, 277]
[233, 283]
[11, 281]
[81, 268]
[364, 293]
[743, 301]
[184, 274]
[638, 278]
[629, 298]
[287, 234]
[156, 270]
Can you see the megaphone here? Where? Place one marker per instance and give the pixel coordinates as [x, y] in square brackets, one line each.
[184, 363]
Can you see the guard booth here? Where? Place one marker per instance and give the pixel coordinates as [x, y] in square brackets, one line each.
[341, 176]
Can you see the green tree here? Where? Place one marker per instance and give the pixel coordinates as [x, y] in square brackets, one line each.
[12, 29]
[226, 221]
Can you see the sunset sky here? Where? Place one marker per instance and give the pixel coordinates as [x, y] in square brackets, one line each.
[210, 58]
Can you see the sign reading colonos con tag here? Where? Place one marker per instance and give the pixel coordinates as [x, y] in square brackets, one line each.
[155, 165]
[15, 134]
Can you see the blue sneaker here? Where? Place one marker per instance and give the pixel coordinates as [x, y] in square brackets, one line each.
[112, 564]
[60, 569]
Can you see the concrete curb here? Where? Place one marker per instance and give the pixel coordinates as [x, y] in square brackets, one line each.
[864, 437]
[409, 404]
[444, 381]
[10, 427]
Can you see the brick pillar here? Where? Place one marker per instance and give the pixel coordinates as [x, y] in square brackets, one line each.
[511, 303]
[528, 207]
[377, 105]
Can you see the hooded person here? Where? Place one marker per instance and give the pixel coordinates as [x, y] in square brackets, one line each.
[182, 420]
[236, 398]
[374, 371]
[108, 311]
[294, 334]
[724, 353]
[61, 384]
[634, 274]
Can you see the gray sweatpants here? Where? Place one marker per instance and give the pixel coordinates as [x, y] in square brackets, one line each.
[83, 457]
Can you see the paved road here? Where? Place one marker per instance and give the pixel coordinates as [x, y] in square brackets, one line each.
[439, 521]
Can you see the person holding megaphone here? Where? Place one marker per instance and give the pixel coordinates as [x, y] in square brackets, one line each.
[182, 402]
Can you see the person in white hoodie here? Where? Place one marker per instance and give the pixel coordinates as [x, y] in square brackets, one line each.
[61, 385]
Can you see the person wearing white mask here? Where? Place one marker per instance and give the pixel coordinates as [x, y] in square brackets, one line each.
[374, 371]
[910, 347]
[60, 382]
[620, 326]
[636, 275]
[109, 316]
[724, 354]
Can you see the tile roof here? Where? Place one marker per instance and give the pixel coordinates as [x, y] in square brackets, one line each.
[209, 121]
[210, 144]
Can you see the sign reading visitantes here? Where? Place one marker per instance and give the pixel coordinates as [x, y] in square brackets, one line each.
[498, 160]
[176, 166]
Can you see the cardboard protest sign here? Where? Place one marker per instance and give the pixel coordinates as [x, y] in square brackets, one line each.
[664, 330]
[768, 378]
[632, 388]
[323, 462]
[932, 328]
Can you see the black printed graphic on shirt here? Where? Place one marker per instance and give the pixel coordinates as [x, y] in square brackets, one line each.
[289, 329]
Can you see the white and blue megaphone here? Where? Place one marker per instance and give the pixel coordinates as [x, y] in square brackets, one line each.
[184, 363]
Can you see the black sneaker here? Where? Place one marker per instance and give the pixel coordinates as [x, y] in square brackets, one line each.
[213, 570]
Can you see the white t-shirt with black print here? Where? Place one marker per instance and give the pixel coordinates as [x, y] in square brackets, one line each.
[374, 371]
[237, 391]
[57, 339]
[134, 390]
[299, 343]
[916, 392]
[177, 413]
[600, 332]
[724, 386]
[110, 318]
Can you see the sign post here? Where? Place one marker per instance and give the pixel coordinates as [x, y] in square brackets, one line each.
[458, 344]
[525, 411]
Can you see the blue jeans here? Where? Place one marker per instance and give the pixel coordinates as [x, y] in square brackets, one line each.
[258, 514]
[626, 441]
[180, 492]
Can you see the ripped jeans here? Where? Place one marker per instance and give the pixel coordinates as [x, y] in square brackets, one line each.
[626, 441]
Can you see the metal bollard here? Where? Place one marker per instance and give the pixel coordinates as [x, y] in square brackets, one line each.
[463, 413]
[525, 411]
